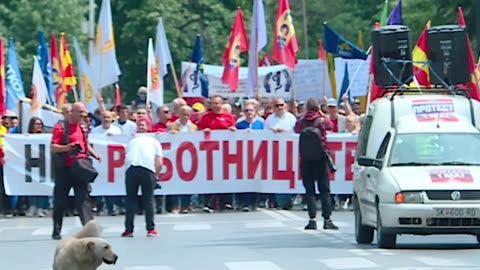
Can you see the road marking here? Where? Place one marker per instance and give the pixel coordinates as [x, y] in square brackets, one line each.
[192, 227]
[150, 267]
[359, 252]
[257, 265]
[349, 263]
[114, 229]
[382, 251]
[42, 231]
[436, 261]
[274, 215]
[259, 225]
[290, 215]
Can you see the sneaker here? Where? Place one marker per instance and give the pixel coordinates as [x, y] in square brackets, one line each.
[328, 225]
[245, 209]
[56, 236]
[184, 211]
[127, 234]
[312, 225]
[207, 209]
[152, 233]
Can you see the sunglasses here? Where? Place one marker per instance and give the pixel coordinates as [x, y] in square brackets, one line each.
[279, 105]
[166, 111]
[248, 110]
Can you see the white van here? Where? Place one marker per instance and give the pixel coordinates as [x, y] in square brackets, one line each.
[417, 169]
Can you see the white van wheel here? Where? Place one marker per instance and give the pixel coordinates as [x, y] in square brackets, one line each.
[363, 234]
[384, 240]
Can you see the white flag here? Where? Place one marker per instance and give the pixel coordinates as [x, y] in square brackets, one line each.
[105, 69]
[39, 90]
[258, 40]
[162, 51]
[88, 89]
[154, 89]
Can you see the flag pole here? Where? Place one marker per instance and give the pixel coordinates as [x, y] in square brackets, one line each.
[172, 68]
[75, 94]
[257, 87]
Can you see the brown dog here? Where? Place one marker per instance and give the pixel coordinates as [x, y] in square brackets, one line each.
[85, 250]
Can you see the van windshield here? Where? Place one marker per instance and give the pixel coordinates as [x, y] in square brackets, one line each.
[423, 149]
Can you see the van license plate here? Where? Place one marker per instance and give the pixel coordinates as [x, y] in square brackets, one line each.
[456, 212]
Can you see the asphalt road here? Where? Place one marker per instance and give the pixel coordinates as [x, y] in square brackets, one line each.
[261, 240]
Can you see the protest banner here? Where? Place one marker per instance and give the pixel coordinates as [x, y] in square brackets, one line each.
[194, 163]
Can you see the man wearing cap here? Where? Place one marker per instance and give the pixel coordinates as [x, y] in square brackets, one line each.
[337, 119]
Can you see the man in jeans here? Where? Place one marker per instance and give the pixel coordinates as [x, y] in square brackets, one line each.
[315, 171]
[144, 162]
[76, 148]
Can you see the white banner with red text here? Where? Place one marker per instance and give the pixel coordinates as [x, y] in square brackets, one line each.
[194, 163]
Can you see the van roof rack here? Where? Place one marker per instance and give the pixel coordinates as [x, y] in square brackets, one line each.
[406, 90]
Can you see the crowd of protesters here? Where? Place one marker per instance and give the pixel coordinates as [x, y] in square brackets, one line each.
[184, 115]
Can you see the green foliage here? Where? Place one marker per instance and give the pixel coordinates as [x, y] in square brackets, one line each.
[135, 21]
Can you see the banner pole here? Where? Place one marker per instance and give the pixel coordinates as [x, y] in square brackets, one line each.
[175, 79]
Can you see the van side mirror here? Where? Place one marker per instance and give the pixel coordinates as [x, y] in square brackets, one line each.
[369, 162]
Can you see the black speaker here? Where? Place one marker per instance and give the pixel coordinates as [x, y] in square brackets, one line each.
[448, 53]
[392, 43]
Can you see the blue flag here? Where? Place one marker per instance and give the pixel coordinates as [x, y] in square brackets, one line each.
[15, 90]
[345, 84]
[43, 56]
[395, 17]
[336, 44]
[197, 57]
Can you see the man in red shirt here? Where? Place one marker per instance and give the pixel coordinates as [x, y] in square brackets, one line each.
[164, 115]
[65, 154]
[217, 119]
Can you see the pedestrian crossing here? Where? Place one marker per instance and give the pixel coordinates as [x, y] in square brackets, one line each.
[342, 263]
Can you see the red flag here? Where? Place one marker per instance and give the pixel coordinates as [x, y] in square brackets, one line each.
[420, 53]
[118, 97]
[266, 61]
[321, 51]
[374, 90]
[285, 44]
[475, 94]
[57, 74]
[2, 81]
[237, 44]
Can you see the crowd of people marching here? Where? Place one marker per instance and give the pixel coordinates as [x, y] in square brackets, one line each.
[184, 116]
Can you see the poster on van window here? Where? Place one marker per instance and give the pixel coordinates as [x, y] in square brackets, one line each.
[427, 110]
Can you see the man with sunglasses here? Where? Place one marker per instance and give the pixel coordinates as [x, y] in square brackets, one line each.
[281, 120]
[164, 116]
[250, 122]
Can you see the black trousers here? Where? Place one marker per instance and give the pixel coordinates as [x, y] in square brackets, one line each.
[135, 177]
[5, 203]
[316, 172]
[64, 181]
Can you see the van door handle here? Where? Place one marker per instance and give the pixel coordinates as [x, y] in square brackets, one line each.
[368, 175]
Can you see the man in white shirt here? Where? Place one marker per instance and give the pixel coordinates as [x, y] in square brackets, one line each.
[281, 120]
[106, 127]
[144, 160]
[126, 126]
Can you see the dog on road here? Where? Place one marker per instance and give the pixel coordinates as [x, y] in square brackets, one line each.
[85, 250]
